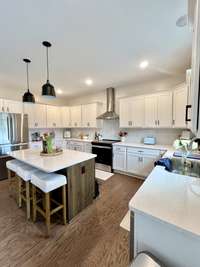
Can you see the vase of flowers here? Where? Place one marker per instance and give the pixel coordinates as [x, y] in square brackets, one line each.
[123, 135]
[47, 143]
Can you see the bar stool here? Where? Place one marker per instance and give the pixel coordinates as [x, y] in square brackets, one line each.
[12, 167]
[46, 183]
[24, 173]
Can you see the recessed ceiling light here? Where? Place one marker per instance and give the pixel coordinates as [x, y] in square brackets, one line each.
[144, 64]
[59, 91]
[88, 82]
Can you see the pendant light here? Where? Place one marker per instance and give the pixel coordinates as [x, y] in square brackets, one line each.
[28, 97]
[47, 88]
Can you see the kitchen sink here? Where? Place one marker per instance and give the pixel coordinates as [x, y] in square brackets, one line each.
[187, 167]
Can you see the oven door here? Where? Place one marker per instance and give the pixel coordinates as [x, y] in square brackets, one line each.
[104, 154]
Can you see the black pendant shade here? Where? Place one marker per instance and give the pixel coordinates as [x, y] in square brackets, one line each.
[28, 97]
[48, 89]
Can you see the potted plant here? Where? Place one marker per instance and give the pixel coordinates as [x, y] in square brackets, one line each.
[123, 135]
[47, 143]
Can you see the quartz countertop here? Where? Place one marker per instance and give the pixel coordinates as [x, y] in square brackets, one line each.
[79, 140]
[170, 198]
[51, 164]
[156, 146]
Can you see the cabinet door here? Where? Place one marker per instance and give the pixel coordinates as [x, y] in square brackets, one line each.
[13, 106]
[1, 105]
[29, 109]
[137, 111]
[125, 113]
[179, 106]
[76, 116]
[147, 165]
[164, 110]
[119, 161]
[134, 164]
[54, 117]
[65, 117]
[36, 115]
[151, 111]
[89, 114]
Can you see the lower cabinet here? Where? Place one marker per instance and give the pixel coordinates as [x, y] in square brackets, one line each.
[79, 146]
[135, 160]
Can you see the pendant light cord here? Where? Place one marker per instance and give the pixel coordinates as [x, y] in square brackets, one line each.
[47, 65]
[27, 75]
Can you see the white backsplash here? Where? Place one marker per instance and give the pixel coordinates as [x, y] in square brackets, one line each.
[111, 129]
[58, 132]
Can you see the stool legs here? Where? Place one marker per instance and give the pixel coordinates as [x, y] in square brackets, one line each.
[64, 204]
[47, 212]
[34, 202]
[19, 191]
[28, 200]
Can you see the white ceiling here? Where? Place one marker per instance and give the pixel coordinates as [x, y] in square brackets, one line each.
[101, 39]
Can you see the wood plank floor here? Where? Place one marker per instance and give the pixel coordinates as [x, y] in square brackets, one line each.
[94, 238]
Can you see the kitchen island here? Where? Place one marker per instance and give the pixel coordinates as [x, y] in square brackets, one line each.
[78, 167]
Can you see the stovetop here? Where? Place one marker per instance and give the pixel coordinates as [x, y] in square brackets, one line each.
[105, 141]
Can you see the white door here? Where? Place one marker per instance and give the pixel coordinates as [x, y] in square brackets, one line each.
[119, 161]
[89, 114]
[76, 116]
[125, 113]
[151, 110]
[133, 164]
[13, 106]
[37, 116]
[137, 111]
[164, 110]
[65, 117]
[147, 165]
[179, 106]
[53, 117]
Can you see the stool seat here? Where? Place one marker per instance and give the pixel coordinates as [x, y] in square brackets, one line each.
[13, 164]
[25, 171]
[48, 182]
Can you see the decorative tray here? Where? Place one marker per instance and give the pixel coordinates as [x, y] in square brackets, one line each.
[53, 154]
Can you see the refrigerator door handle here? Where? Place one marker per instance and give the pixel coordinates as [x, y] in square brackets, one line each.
[8, 127]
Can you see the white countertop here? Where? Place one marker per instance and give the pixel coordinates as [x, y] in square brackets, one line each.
[51, 164]
[157, 147]
[78, 140]
[171, 198]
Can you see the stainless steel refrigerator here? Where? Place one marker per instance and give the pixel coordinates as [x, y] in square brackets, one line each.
[13, 136]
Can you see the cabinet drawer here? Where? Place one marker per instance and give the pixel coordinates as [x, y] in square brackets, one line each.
[119, 149]
[143, 151]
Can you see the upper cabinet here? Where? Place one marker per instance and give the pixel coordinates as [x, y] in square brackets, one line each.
[37, 115]
[76, 117]
[158, 110]
[180, 100]
[89, 115]
[66, 116]
[11, 106]
[54, 119]
[132, 112]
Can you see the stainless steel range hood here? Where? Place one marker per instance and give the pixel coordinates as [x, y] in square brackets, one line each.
[110, 113]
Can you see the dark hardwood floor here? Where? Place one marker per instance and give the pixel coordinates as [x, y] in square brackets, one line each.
[94, 238]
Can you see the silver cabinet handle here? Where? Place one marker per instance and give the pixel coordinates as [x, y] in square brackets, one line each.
[158, 122]
[155, 122]
[88, 124]
[75, 123]
[3, 109]
[7, 109]
[129, 123]
[173, 122]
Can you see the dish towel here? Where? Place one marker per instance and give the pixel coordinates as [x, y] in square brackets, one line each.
[165, 162]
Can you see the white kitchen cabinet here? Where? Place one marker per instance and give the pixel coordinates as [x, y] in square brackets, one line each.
[37, 115]
[134, 163]
[89, 115]
[11, 106]
[76, 116]
[134, 160]
[151, 111]
[179, 106]
[132, 112]
[65, 117]
[54, 117]
[119, 158]
[158, 110]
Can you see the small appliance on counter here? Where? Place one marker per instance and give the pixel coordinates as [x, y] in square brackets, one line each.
[35, 137]
[149, 140]
[66, 134]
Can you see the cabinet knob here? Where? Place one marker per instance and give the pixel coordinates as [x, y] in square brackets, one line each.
[7, 109]
[88, 124]
[3, 109]
[155, 122]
